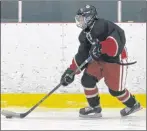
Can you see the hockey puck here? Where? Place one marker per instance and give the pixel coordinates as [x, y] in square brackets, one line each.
[8, 117]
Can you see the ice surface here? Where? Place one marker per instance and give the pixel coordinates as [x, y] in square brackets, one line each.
[68, 119]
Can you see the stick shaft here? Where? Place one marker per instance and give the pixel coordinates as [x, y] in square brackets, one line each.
[45, 97]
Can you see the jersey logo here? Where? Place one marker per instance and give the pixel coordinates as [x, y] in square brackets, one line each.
[89, 38]
[87, 6]
[87, 12]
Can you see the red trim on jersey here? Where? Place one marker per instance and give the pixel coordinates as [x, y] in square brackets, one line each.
[73, 66]
[124, 54]
[122, 77]
[109, 46]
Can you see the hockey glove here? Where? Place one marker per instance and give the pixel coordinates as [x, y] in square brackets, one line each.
[66, 79]
[95, 51]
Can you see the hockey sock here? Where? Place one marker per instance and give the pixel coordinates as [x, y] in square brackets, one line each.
[92, 96]
[127, 98]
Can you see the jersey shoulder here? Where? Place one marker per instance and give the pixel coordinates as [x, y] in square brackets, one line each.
[107, 25]
[99, 23]
[100, 26]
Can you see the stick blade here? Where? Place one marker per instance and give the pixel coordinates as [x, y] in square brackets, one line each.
[10, 114]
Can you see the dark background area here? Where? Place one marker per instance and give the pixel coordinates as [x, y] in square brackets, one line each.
[64, 11]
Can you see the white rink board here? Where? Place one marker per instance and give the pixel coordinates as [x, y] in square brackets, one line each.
[34, 56]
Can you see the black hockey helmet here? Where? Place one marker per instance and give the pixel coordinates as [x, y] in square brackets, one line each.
[86, 16]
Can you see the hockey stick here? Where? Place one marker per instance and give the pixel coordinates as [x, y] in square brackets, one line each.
[10, 114]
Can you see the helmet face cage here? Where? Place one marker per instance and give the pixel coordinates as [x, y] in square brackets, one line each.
[85, 16]
[81, 21]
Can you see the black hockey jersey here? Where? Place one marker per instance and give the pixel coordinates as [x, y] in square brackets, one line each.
[110, 36]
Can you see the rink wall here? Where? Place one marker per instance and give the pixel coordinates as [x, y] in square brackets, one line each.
[34, 55]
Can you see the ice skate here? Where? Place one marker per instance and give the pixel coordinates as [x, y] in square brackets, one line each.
[90, 112]
[127, 111]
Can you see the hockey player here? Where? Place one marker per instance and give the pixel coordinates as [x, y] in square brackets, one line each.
[105, 42]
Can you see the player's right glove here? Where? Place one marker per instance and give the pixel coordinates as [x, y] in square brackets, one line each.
[65, 78]
[95, 51]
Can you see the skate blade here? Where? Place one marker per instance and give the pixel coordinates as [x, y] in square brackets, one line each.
[137, 109]
[96, 115]
[133, 111]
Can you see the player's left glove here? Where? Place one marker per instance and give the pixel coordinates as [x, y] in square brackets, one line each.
[95, 51]
[65, 78]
